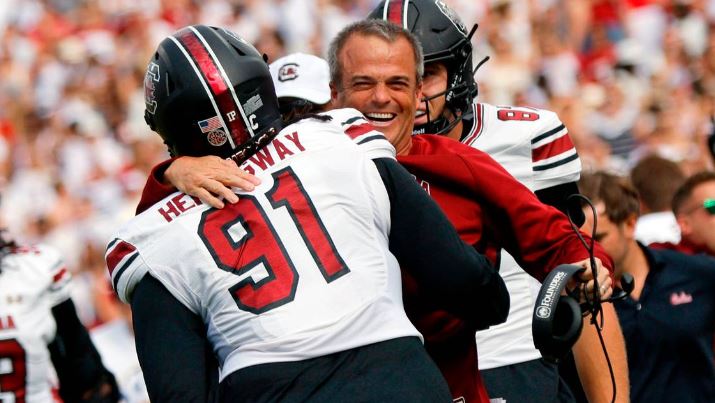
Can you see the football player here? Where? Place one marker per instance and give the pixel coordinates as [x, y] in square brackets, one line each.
[534, 146]
[376, 67]
[43, 344]
[293, 287]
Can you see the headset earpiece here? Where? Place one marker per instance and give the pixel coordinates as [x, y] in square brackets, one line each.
[557, 319]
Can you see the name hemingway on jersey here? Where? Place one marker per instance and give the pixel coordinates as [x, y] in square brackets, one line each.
[266, 157]
[276, 151]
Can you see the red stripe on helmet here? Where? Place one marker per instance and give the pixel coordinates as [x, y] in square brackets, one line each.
[219, 87]
[395, 9]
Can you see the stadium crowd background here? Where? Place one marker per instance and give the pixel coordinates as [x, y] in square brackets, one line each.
[628, 78]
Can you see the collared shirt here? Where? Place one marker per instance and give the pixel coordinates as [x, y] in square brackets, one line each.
[669, 330]
[657, 227]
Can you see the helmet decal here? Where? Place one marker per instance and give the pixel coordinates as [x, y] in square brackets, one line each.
[214, 131]
[214, 80]
[150, 81]
[252, 104]
[452, 16]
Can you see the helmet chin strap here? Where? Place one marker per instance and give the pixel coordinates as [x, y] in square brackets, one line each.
[440, 125]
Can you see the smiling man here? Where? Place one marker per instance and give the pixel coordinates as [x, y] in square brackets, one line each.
[381, 78]
[534, 146]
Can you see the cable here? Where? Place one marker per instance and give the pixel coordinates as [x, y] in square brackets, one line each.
[593, 306]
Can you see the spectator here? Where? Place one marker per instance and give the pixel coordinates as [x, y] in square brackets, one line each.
[694, 208]
[656, 179]
[668, 318]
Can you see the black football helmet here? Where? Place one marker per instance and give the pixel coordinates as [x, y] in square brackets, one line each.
[444, 38]
[209, 92]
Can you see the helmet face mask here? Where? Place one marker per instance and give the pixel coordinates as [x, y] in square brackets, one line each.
[208, 92]
[444, 39]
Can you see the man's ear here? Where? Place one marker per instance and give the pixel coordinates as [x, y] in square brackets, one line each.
[684, 224]
[629, 226]
[333, 94]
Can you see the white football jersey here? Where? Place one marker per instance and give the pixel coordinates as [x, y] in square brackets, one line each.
[534, 147]
[32, 281]
[298, 268]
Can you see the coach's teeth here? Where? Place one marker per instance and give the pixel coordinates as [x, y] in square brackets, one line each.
[380, 116]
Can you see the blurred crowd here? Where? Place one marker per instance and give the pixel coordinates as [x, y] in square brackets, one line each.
[628, 78]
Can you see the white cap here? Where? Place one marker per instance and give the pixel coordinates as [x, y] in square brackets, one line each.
[299, 75]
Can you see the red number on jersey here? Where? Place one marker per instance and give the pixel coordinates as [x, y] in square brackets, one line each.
[260, 245]
[13, 378]
[516, 114]
[288, 192]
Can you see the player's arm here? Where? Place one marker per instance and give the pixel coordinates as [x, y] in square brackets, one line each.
[539, 237]
[171, 343]
[557, 196]
[426, 244]
[82, 376]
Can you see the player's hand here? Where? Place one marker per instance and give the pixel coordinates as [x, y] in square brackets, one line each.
[584, 280]
[209, 178]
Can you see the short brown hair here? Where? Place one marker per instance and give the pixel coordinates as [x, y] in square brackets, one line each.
[685, 191]
[616, 192]
[656, 179]
[380, 28]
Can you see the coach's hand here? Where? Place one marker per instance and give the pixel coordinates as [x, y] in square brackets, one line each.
[209, 178]
[584, 280]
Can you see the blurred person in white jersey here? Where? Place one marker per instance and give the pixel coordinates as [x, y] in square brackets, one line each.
[45, 351]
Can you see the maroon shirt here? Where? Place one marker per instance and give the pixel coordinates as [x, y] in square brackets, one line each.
[490, 209]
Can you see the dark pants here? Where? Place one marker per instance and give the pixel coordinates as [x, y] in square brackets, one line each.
[536, 381]
[397, 370]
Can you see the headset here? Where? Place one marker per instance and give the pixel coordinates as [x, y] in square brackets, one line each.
[557, 319]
